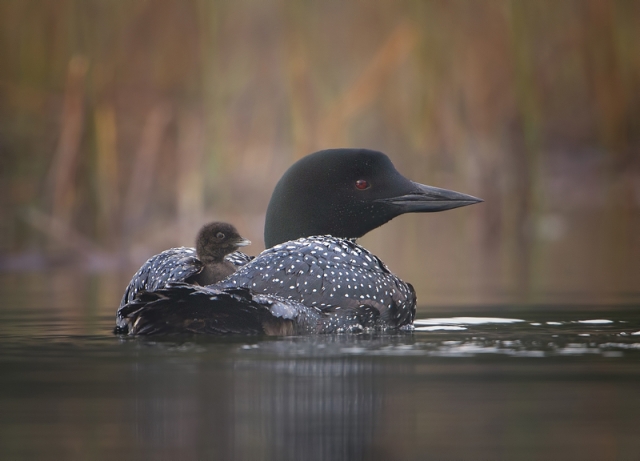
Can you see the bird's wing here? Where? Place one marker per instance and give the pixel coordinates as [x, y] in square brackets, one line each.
[189, 309]
[174, 265]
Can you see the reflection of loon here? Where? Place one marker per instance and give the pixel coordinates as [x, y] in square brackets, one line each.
[320, 283]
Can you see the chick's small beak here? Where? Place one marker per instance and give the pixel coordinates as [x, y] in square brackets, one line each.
[243, 242]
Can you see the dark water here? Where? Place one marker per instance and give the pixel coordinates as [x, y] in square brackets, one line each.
[556, 384]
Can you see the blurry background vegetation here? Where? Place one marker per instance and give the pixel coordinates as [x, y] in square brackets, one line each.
[125, 125]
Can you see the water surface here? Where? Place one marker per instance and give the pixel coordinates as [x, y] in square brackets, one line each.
[548, 382]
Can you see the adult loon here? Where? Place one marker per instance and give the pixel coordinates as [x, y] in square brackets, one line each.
[313, 277]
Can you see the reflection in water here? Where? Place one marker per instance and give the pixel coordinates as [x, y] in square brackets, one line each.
[544, 387]
[253, 403]
[257, 407]
[313, 409]
[485, 335]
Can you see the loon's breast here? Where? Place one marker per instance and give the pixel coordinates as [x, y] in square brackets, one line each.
[330, 274]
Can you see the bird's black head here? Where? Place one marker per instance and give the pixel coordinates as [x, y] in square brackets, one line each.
[346, 193]
[217, 239]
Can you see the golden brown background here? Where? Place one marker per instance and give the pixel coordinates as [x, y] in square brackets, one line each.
[125, 125]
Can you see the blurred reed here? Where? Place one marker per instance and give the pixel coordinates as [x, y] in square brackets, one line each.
[60, 187]
[126, 125]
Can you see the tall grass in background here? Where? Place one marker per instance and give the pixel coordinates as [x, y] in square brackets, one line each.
[126, 125]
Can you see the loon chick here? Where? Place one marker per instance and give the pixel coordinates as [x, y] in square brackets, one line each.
[320, 205]
[215, 241]
[214, 258]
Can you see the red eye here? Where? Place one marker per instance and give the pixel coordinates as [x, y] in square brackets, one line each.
[362, 184]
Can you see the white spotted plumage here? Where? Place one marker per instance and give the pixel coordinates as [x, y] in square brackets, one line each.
[173, 265]
[328, 272]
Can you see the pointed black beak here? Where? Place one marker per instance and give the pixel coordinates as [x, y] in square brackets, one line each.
[427, 199]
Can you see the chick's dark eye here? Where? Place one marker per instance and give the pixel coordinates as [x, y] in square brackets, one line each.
[220, 235]
[362, 184]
